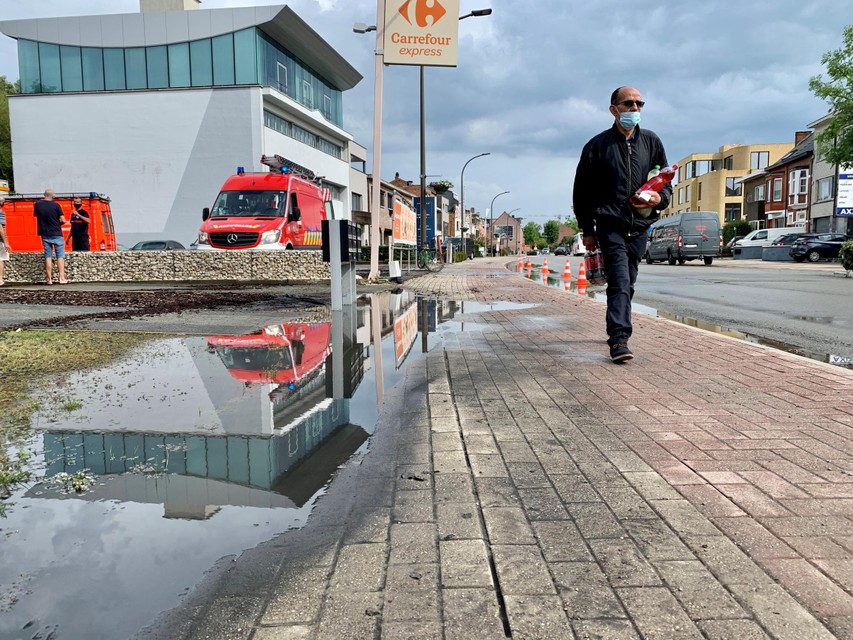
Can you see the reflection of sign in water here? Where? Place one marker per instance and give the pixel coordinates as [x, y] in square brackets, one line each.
[404, 224]
[844, 202]
[843, 360]
[405, 332]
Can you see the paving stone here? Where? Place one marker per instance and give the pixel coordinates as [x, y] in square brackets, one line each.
[651, 486]
[508, 525]
[290, 632]
[575, 488]
[528, 474]
[451, 441]
[411, 630]
[350, 615]
[297, 597]
[757, 541]
[684, 518]
[413, 506]
[585, 591]
[657, 614]
[413, 543]
[459, 521]
[360, 567]
[656, 541]
[472, 609]
[488, 466]
[450, 462]
[453, 487]
[560, 541]
[811, 587]
[522, 570]
[412, 577]
[464, 563]
[625, 502]
[497, 492]
[402, 606]
[481, 445]
[732, 629]
[368, 525]
[779, 613]
[537, 617]
[623, 563]
[698, 591]
[612, 629]
[594, 520]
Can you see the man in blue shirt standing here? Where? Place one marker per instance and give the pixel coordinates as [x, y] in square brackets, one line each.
[50, 220]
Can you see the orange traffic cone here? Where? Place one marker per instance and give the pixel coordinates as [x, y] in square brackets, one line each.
[567, 286]
[567, 272]
[545, 269]
[581, 288]
[582, 281]
[520, 262]
[529, 263]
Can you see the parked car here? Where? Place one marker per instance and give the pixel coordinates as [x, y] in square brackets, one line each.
[787, 240]
[157, 245]
[817, 246]
[686, 236]
[763, 237]
[733, 241]
[561, 251]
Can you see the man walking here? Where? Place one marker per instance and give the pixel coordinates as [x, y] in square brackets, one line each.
[50, 220]
[612, 167]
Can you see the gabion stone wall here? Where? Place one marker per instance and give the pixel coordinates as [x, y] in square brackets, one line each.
[142, 266]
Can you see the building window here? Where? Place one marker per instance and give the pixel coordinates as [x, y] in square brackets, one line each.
[93, 69]
[201, 63]
[759, 159]
[759, 193]
[688, 173]
[72, 68]
[134, 65]
[729, 163]
[680, 195]
[49, 67]
[158, 67]
[245, 57]
[281, 77]
[732, 212]
[179, 65]
[699, 192]
[28, 66]
[293, 130]
[733, 187]
[223, 59]
[777, 190]
[824, 188]
[114, 69]
[356, 202]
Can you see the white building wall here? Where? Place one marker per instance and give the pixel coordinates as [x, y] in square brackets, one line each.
[161, 156]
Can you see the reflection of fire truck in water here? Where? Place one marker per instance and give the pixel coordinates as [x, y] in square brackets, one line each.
[284, 354]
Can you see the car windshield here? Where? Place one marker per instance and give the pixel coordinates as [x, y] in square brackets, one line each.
[249, 204]
[248, 359]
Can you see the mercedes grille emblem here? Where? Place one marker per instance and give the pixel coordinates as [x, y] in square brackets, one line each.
[232, 238]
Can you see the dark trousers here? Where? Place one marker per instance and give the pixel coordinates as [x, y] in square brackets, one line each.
[80, 243]
[622, 253]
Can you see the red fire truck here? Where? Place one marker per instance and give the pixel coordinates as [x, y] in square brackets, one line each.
[281, 209]
[281, 354]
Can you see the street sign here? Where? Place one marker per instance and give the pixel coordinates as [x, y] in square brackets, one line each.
[844, 201]
[421, 32]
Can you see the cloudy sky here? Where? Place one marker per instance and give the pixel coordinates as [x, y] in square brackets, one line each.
[534, 81]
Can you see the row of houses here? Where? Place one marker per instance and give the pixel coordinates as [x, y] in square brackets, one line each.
[769, 185]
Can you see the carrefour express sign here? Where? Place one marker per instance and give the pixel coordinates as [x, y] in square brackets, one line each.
[421, 32]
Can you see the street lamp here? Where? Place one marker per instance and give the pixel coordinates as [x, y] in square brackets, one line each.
[491, 217]
[377, 134]
[474, 14]
[462, 194]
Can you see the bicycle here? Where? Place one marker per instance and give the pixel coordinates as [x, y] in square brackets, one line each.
[430, 259]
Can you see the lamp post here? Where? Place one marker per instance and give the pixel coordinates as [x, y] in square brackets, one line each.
[462, 199]
[475, 14]
[491, 227]
[379, 28]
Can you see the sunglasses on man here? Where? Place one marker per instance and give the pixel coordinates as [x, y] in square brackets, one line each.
[631, 103]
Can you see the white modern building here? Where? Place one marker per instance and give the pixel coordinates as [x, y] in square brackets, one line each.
[156, 109]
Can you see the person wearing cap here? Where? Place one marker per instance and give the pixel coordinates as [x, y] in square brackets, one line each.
[612, 168]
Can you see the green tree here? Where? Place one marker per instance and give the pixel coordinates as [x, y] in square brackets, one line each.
[532, 234]
[6, 88]
[551, 231]
[836, 140]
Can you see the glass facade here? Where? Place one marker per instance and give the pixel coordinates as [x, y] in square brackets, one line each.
[244, 57]
[293, 130]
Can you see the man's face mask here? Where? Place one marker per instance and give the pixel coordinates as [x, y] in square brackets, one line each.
[629, 119]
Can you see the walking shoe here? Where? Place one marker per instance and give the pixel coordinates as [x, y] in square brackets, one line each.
[620, 352]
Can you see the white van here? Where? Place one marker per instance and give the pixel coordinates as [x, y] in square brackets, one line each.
[578, 248]
[764, 237]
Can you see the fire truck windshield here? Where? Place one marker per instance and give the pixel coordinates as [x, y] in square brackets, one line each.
[256, 359]
[249, 204]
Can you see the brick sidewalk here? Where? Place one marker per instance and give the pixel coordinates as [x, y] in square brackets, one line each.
[521, 485]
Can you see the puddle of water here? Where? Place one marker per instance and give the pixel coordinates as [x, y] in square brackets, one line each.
[595, 291]
[468, 313]
[197, 448]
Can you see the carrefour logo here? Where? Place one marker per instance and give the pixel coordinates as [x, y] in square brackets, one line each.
[423, 9]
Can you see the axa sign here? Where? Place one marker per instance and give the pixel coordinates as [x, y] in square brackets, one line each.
[421, 32]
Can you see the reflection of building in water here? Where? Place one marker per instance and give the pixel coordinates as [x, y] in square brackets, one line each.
[282, 465]
[190, 472]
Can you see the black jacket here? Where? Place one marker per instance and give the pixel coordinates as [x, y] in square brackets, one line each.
[610, 171]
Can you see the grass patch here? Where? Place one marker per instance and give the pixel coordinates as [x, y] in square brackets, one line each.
[27, 359]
